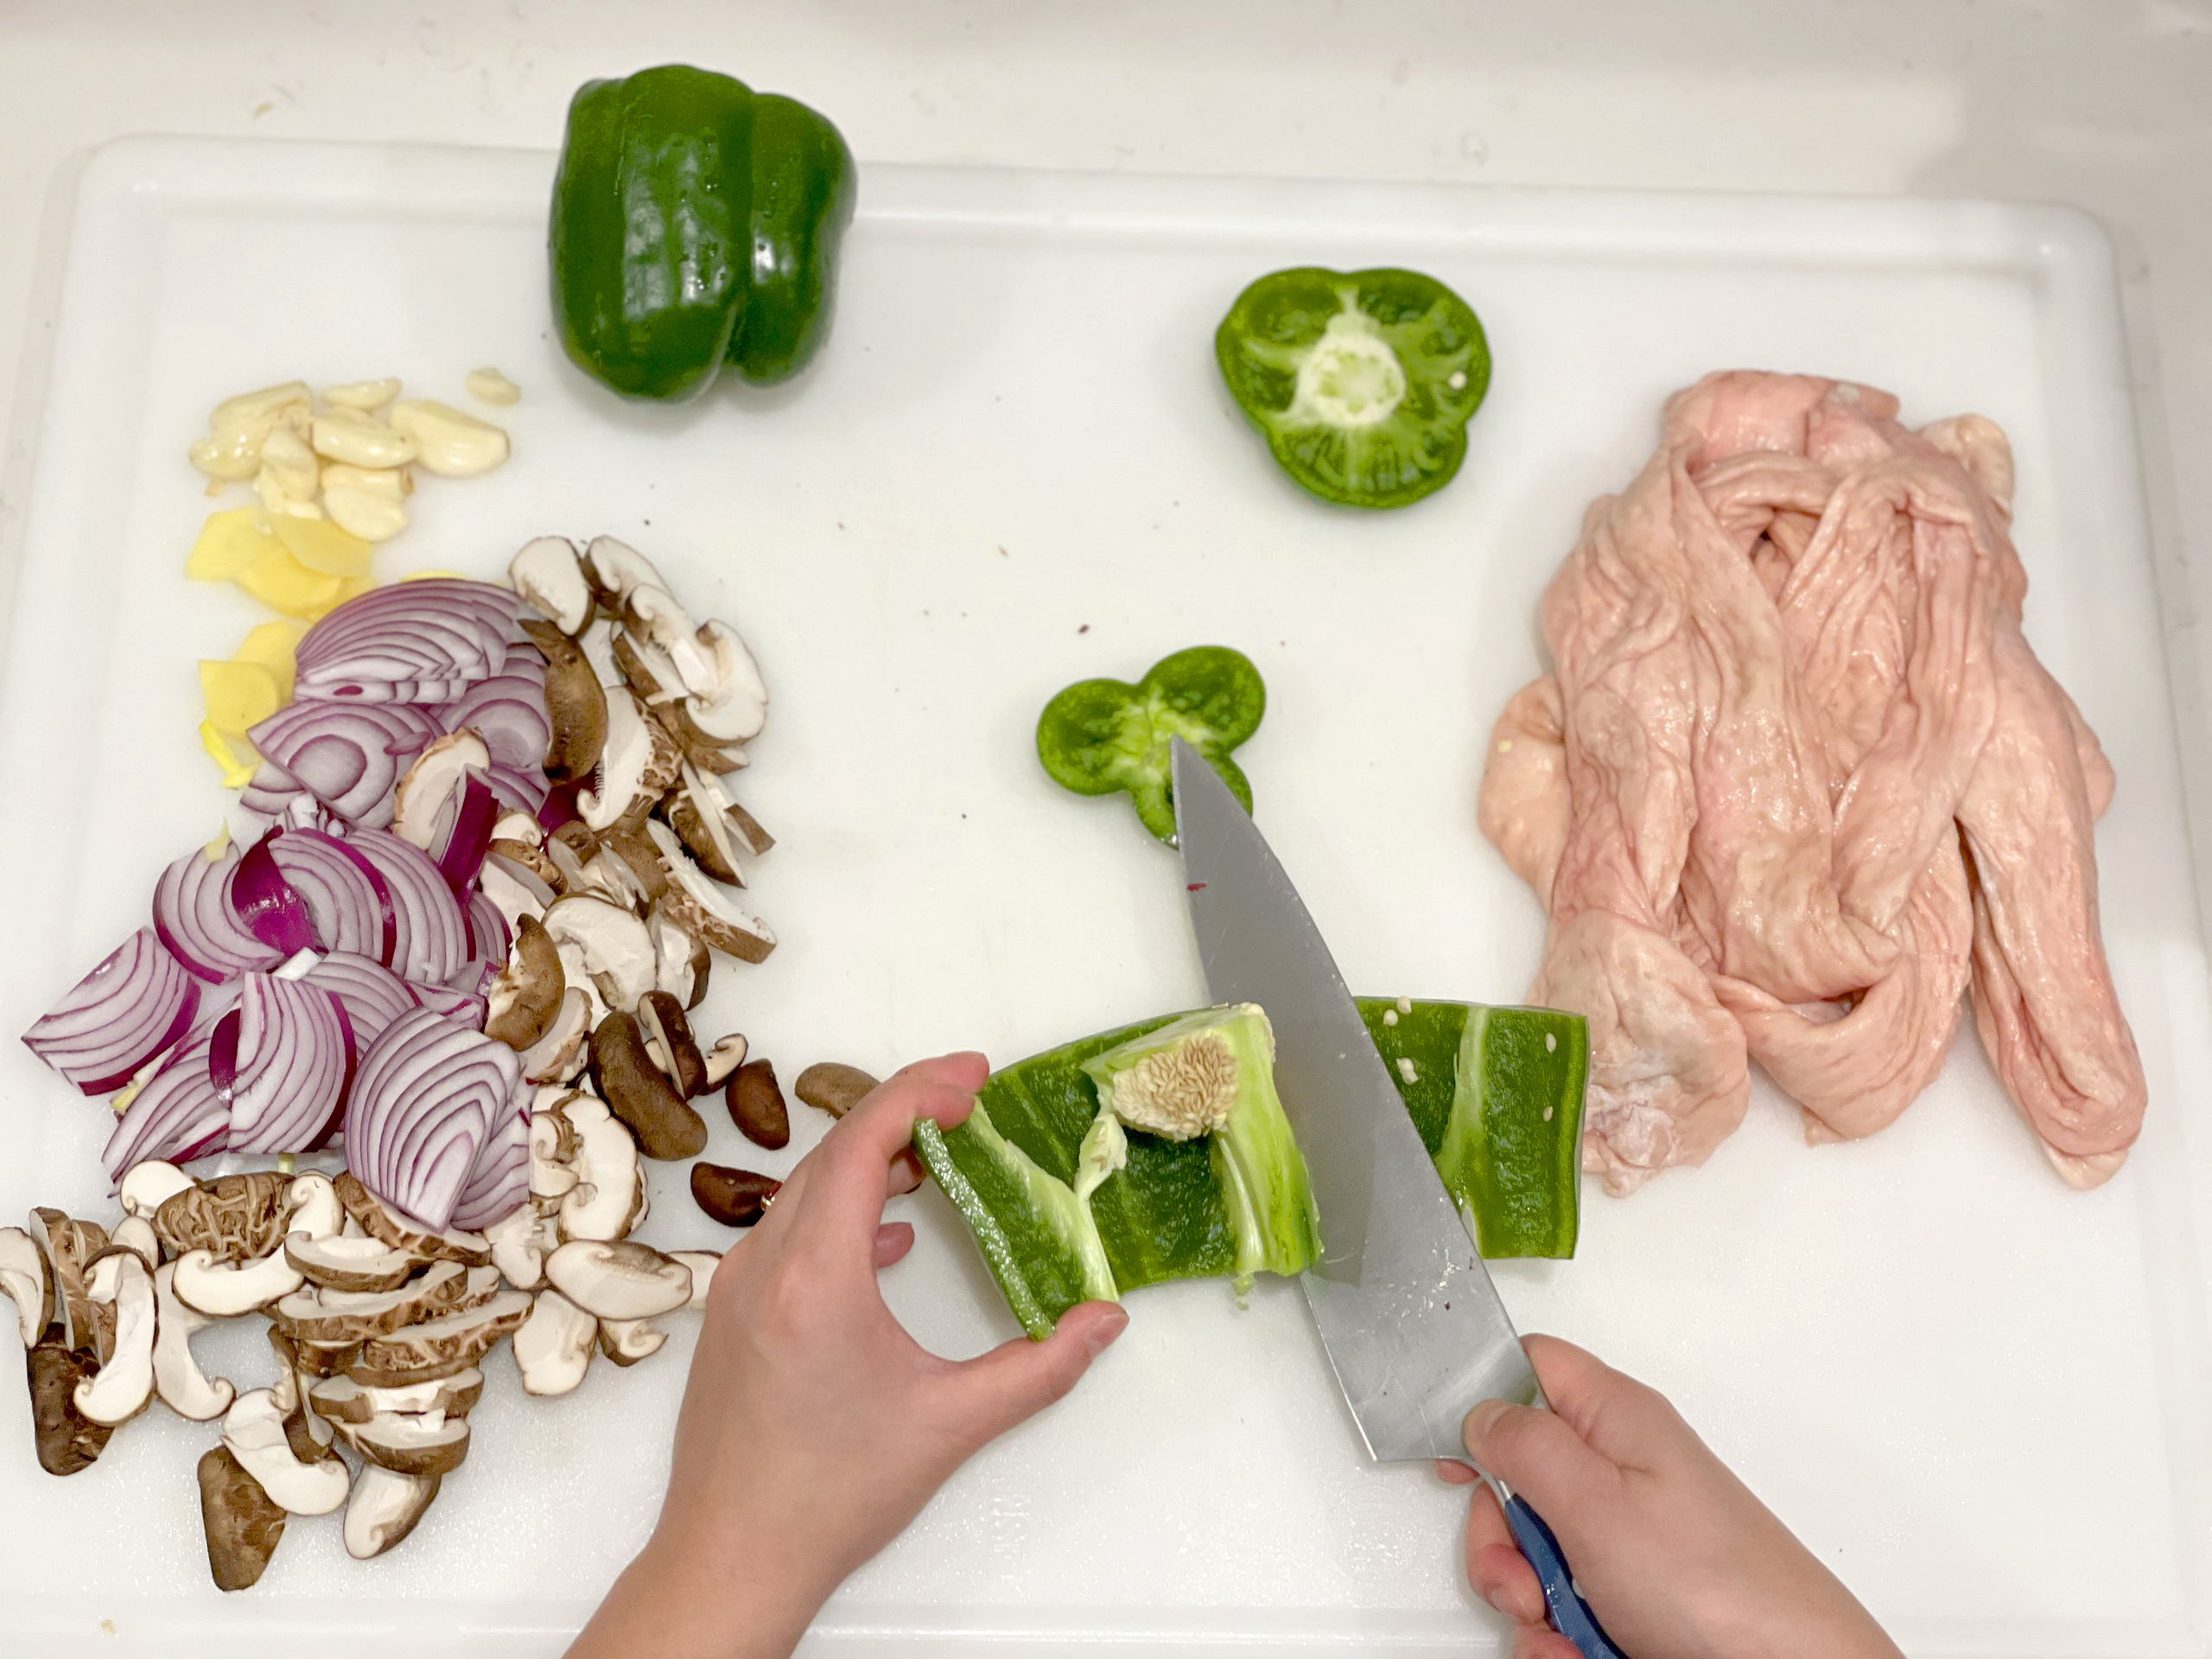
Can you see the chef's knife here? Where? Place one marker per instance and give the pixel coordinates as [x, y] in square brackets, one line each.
[1413, 1325]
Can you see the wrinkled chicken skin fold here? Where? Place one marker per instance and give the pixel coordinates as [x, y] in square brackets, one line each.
[1796, 779]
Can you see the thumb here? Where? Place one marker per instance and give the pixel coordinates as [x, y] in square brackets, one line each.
[1018, 1379]
[1537, 1455]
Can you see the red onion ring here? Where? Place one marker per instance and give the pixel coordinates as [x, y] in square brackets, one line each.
[349, 906]
[427, 1096]
[499, 1184]
[138, 1001]
[177, 1115]
[369, 994]
[412, 642]
[508, 712]
[430, 935]
[462, 859]
[195, 919]
[488, 938]
[348, 756]
[279, 1061]
[463, 1004]
[271, 910]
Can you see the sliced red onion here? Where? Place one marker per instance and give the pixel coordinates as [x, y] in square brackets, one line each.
[488, 938]
[461, 857]
[411, 642]
[463, 1004]
[518, 792]
[508, 712]
[388, 915]
[136, 1003]
[270, 791]
[193, 915]
[267, 903]
[347, 905]
[499, 1184]
[177, 1116]
[523, 658]
[430, 935]
[429, 1096]
[279, 1060]
[349, 757]
[370, 995]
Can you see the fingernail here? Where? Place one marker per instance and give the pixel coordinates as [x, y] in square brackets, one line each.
[1108, 1326]
[1480, 1421]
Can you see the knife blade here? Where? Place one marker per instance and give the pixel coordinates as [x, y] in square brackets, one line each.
[1412, 1326]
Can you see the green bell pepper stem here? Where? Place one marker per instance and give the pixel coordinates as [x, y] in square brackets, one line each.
[650, 237]
[803, 195]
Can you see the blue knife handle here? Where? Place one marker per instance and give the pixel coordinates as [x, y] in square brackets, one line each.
[1571, 1615]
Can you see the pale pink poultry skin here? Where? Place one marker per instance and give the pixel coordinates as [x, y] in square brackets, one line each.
[1797, 777]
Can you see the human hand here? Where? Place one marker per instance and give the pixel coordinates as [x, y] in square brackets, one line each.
[1675, 1555]
[814, 1428]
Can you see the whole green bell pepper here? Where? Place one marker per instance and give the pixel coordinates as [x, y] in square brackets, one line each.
[693, 223]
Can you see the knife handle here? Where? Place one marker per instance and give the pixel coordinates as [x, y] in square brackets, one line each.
[1571, 1615]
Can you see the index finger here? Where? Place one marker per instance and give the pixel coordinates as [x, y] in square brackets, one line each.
[846, 1179]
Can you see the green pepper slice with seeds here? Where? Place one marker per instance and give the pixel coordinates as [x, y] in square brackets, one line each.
[1099, 736]
[1362, 382]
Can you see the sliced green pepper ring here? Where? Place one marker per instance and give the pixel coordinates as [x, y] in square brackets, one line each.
[1361, 381]
[1103, 735]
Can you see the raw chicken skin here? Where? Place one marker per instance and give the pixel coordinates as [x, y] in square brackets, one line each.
[1797, 776]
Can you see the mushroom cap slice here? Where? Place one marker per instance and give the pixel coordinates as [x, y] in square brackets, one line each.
[633, 748]
[424, 789]
[253, 1430]
[361, 1263]
[312, 1314]
[575, 705]
[526, 997]
[627, 1341]
[343, 1400]
[609, 1184]
[223, 1288]
[661, 1018]
[469, 1249]
[682, 963]
[178, 1379]
[616, 945]
[439, 1347]
[553, 1348]
[618, 1279]
[224, 1291]
[244, 1525]
[615, 567]
[639, 1093]
[432, 1444]
[703, 908]
[147, 1186]
[731, 704]
[548, 574]
[23, 1281]
[124, 1385]
[552, 1143]
[233, 1218]
[559, 1053]
[136, 1234]
[312, 1359]
[522, 1242]
[68, 1440]
[700, 1264]
[384, 1508]
[68, 1246]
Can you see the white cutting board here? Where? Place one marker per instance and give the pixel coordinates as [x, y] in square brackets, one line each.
[1980, 1397]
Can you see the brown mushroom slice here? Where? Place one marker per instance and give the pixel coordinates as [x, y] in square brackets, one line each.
[756, 1107]
[233, 1218]
[145, 1187]
[432, 1444]
[522, 1242]
[526, 997]
[123, 1386]
[178, 1381]
[548, 574]
[67, 1440]
[833, 1087]
[439, 1347]
[660, 1016]
[310, 1436]
[616, 947]
[553, 1348]
[702, 828]
[735, 1197]
[700, 1264]
[343, 1400]
[314, 1315]
[514, 891]
[646, 668]
[729, 701]
[614, 569]
[136, 1234]
[23, 1281]
[575, 705]
[420, 798]
[709, 754]
[253, 1431]
[559, 1053]
[467, 1249]
[627, 1341]
[637, 868]
[384, 1508]
[359, 1263]
[552, 1146]
[721, 1061]
[609, 1184]
[68, 1246]
[635, 748]
[682, 964]
[703, 908]
[529, 863]
[244, 1525]
[313, 1359]
[621, 1279]
[637, 1092]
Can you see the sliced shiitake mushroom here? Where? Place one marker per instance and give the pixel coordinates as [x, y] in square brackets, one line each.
[23, 1281]
[385, 1508]
[244, 1525]
[254, 1431]
[622, 1280]
[439, 1347]
[525, 999]
[681, 963]
[67, 1440]
[704, 909]
[124, 1385]
[146, 1186]
[627, 1341]
[660, 1016]
[735, 1197]
[641, 872]
[616, 947]
[832, 1087]
[68, 1246]
[233, 1218]
[610, 1189]
[363, 1263]
[575, 705]
[549, 573]
[756, 1106]
[423, 1445]
[553, 1348]
[636, 1091]
[178, 1379]
[343, 1400]
[470, 1250]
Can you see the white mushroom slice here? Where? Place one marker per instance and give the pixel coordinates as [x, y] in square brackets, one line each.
[430, 1444]
[609, 872]
[315, 1210]
[23, 1281]
[619, 782]
[514, 892]
[136, 1233]
[627, 1341]
[183, 1387]
[253, 1429]
[438, 1347]
[436, 778]
[384, 1508]
[559, 1053]
[743, 828]
[701, 1265]
[550, 1176]
[733, 705]
[703, 827]
[619, 1279]
[704, 908]
[356, 1263]
[519, 827]
[681, 963]
[651, 617]
[146, 1186]
[597, 644]
[343, 1400]
[340, 1316]
[616, 947]
[607, 1187]
[724, 1058]
[68, 1246]
[521, 1244]
[550, 575]
[123, 1386]
[617, 568]
[223, 1291]
[553, 1348]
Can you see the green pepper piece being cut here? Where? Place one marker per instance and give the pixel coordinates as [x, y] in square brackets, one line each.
[1362, 382]
[1103, 735]
[651, 236]
[803, 195]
